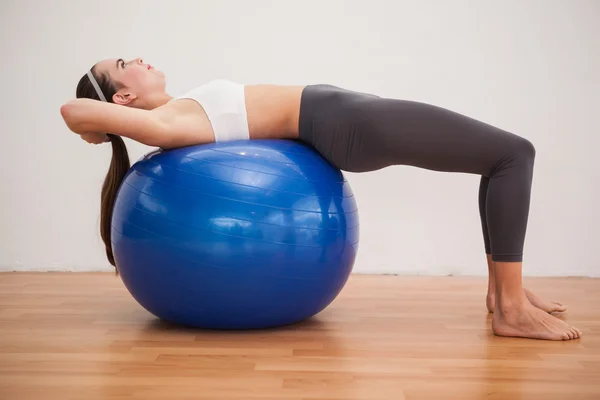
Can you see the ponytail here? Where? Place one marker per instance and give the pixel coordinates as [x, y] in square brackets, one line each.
[99, 86]
[119, 165]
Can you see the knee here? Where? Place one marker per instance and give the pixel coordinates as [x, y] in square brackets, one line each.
[515, 152]
[524, 149]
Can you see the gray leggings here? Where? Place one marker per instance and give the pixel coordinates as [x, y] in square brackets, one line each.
[360, 132]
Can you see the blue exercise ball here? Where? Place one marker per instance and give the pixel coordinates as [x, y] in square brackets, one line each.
[235, 235]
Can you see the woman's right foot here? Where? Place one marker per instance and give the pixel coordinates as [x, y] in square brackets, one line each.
[522, 319]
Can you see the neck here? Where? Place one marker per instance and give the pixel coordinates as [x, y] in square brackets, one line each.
[157, 100]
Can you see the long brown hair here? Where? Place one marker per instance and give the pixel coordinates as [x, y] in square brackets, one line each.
[119, 164]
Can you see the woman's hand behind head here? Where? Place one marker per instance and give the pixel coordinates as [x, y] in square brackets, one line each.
[95, 138]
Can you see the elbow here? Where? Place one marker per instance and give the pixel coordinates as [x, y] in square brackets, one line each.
[66, 111]
[68, 115]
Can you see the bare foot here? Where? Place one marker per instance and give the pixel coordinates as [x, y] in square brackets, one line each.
[525, 320]
[534, 299]
[547, 306]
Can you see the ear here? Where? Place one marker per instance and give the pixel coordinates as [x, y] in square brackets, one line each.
[124, 98]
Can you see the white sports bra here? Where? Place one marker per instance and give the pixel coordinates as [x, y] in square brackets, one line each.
[225, 105]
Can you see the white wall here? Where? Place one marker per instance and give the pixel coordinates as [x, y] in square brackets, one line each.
[532, 67]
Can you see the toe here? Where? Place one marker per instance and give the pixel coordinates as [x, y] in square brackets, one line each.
[570, 334]
[559, 307]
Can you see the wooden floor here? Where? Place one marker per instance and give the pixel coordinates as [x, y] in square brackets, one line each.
[82, 336]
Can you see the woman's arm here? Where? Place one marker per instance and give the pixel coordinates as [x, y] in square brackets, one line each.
[85, 116]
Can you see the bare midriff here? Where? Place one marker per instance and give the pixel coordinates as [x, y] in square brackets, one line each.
[273, 111]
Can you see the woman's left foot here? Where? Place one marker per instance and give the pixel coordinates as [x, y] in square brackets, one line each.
[534, 299]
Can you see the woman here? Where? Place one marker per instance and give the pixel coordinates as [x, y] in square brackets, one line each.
[356, 132]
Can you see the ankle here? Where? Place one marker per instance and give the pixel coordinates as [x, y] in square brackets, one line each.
[506, 303]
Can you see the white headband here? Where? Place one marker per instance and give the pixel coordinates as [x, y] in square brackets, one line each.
[96, 86]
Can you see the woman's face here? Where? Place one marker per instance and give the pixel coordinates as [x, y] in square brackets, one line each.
[138, 80]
